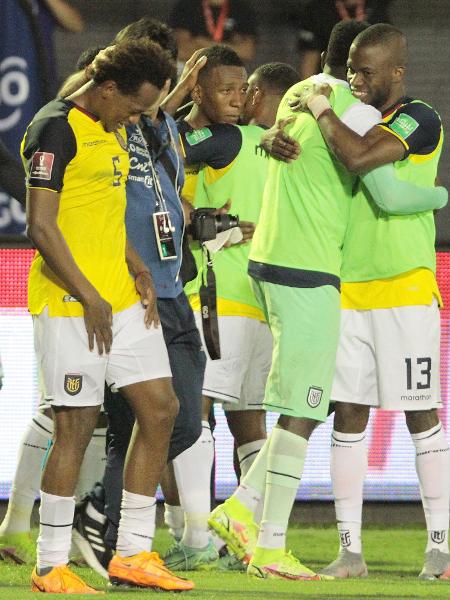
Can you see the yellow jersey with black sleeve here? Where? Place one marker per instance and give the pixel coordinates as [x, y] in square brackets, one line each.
[67, 151]
[390, 260]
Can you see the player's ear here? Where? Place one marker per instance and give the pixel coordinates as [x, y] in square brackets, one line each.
[108, 88]
[257, 96]
[398, 74]
[323, 59]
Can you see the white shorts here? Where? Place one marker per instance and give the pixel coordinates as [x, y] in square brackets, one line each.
[72, 375]
[238, 378]
[389, 358]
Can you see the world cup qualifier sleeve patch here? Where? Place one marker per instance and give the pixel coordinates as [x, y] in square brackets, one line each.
[42, 165]
[73, 382]
[314, 396]
[404, 126]
[199, 135]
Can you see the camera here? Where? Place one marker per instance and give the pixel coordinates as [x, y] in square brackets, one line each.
[205, 225]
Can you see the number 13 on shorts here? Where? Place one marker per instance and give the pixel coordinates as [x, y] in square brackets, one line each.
[421, 380]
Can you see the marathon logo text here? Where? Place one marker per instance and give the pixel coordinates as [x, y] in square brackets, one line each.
[416, 397]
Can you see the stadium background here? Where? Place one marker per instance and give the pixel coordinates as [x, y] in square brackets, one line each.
[391, 472]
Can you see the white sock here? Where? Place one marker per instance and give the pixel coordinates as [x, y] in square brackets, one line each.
[348, 471]
[285, 462]
[249, 497]
[433, 471]
[93, 465]
[174, 519]
[137, 524]
[247, 454]
[253, 484]
[27, 478]
[55, 531]
[192, 470]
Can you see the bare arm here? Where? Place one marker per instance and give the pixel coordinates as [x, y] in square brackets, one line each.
[144, 284]
[73, 83]
[360, 154]
[43, 230]
[67, 16]
[186, 84]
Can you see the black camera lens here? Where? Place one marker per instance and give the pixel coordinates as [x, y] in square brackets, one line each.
[205, 225]
[225, 222]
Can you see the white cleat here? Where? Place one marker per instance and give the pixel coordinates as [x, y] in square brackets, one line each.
[436, 566]
[347, 564]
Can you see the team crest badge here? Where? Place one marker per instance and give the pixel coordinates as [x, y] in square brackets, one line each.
[345, 538]
[73, 383]
[314, 396]
[438, 537]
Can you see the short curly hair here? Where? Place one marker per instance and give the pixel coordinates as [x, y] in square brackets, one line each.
[277, 76]
[87, 56]
[131, 63]
[342, 37]
[153, 30]
[218, 55]
[386, 36]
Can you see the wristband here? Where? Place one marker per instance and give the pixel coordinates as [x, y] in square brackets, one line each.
[318, 105]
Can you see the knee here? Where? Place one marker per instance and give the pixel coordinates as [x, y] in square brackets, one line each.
[350, 418]
[419, 421]
[166, 410]
[247, 425]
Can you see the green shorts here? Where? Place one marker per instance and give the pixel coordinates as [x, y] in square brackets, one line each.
[305, 328]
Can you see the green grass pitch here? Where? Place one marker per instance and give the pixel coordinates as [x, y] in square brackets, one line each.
[394, 557]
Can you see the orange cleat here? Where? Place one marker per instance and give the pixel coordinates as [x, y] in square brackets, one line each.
[445, 574]
[60, 580]
[145, 570]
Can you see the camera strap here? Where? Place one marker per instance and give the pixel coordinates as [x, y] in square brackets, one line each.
[208, 302]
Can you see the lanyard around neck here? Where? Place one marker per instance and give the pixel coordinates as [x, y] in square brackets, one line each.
[344, 15]
[215, 30]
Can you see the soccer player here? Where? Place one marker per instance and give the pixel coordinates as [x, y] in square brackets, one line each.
[228, 153]
[295, 263]
[89, 323]
[219, 99]
[388, 353]
[156, 175]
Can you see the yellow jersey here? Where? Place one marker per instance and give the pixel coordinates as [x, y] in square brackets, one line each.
[66, 150]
